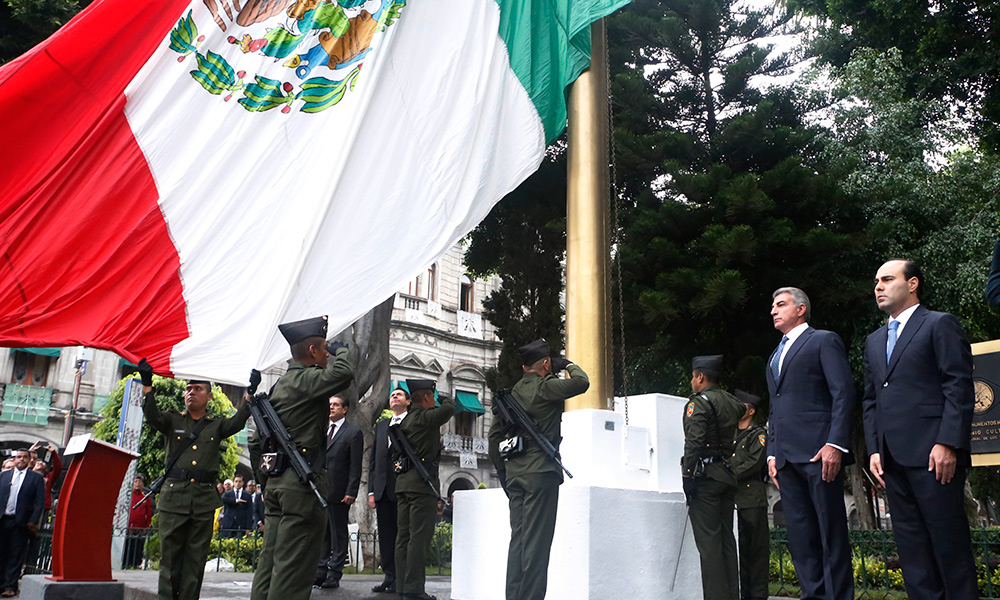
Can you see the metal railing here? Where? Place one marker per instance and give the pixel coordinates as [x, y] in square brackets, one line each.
[876, 567]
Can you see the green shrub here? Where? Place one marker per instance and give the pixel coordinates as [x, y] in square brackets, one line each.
[782, 570]
[440, 553]
[874, 573]
[241, 552]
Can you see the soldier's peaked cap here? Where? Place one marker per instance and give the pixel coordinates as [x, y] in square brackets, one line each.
[419, 384]
[296, 331]
[747, 397]
[707, 363]
[533, 352]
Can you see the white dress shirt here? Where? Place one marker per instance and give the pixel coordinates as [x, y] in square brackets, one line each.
[903, 318]
[16, 479]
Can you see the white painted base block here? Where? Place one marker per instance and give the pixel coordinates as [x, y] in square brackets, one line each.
[619, 534]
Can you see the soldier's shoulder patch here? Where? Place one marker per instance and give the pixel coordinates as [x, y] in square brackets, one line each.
[690, 408]
[762, 438]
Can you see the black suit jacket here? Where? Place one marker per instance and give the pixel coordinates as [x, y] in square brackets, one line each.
[236, 516]
[343, 462]
[30, 500]
[813, 399]
[381, 479]
[924, 395]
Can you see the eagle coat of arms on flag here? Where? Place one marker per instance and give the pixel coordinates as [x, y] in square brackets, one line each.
[300, 50]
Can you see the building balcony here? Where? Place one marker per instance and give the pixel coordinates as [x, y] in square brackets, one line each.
[26, 404]
[464, 443]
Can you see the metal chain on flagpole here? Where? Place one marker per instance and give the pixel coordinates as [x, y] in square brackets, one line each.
[616, 233]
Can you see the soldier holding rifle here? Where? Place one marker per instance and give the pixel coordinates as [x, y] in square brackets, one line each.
[533, 476]
[188, 497]
[416, 449]
[294, 513]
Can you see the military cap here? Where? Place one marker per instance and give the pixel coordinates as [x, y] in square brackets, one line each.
[747, 398]
[533, 352]
[710, 365]
[297, 331]
[419, 384]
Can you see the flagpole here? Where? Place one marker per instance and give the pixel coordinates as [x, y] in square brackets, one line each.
[588, 324]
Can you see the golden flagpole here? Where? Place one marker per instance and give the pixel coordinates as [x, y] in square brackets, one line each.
[588, 308]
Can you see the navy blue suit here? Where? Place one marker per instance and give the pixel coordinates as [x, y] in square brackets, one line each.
[14, 529]
[922, 397]
[812, 402]
[236, 517]
[993, 283]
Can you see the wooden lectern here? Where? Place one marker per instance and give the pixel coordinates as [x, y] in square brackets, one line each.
[81, 539]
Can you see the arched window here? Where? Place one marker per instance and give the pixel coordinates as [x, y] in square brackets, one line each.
[465, 294]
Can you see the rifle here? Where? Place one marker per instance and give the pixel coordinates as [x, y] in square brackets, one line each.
[513, 413]
[398, 437]
[273, 434]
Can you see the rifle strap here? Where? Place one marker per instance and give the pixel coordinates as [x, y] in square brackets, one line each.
[185, 444]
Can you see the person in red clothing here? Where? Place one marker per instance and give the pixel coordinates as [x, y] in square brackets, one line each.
[139, 519]
[49, 465]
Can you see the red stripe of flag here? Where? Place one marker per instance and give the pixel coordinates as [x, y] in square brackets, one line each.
[85, 255]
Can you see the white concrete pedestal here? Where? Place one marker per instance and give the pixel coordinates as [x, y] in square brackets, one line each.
[621, 530]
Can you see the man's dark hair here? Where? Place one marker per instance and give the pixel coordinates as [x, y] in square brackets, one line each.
[22, 450]
[300, 350]
[140, 477]
[344, 402]
[710, 375]
[911, 270]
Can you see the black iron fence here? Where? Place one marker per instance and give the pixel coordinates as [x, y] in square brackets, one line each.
[875, 561]
[238, 550]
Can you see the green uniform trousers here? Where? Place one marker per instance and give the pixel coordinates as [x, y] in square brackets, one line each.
[294, 525]
[755, 549]
[534, 498]
[184, 543]
[711, 512]
[416, 515]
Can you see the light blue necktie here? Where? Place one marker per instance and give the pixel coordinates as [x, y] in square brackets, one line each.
[891, 342]
[776, 361]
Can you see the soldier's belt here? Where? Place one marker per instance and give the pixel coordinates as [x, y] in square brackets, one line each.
[193, 475]
[707, 460]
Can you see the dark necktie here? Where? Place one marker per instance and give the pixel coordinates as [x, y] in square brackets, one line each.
[891, 342]
[329, 434]
[776, 361]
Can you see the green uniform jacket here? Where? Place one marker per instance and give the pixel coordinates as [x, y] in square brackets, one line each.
[192, 497]
[422, 427]
[544, 399]
[301, 397]
[749, 462]
[707, 434]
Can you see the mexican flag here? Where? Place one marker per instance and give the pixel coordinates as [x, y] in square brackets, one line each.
[179, 177]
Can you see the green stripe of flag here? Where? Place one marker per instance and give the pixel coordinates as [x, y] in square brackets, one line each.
[548, 42]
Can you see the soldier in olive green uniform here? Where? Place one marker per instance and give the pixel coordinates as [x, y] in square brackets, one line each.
[294, 519]
[532, 478]
[749, 465]
[710, 419]
[188, 498]
[416, 499]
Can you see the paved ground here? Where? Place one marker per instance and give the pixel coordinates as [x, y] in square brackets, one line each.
[141, 585]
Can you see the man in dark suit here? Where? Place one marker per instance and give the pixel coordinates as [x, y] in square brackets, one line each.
[22, 496]
[993, 283]
[238, 510]
[256, 506]
[918, 406]
[809, 436]
[344, 446]
[382, 490]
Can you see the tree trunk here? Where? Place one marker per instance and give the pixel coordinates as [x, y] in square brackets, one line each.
[368, 395]
[860, 489]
